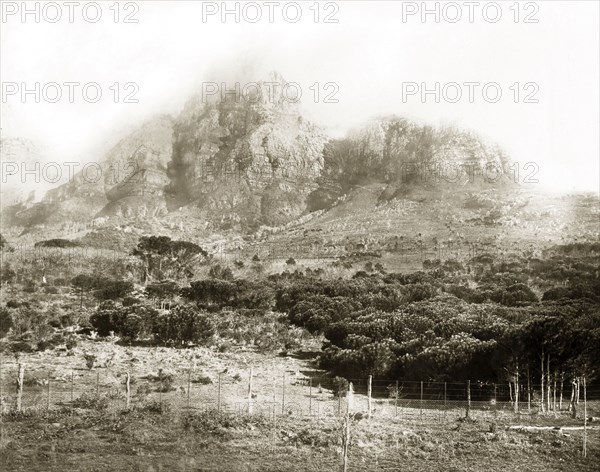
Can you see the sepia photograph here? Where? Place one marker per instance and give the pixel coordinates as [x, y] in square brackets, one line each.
[300, 236]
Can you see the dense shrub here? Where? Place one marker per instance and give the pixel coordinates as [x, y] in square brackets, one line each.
[220, 424]
[184, 325]
[60, 243]
[6, 322]
[7, 274]
[163, 257]
[162, 290]
[339, 386]
[225, 293]
[219, 272]
[133, 321]
[103, 288]
[91, 400]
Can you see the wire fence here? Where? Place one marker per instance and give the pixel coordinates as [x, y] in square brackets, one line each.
[293, 394]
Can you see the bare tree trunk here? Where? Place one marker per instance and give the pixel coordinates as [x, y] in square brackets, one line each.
[573, 402]
[517, 389]
[554, 391]
[528, 389]
[548, 384]
[562, 384]
[584, 418]
[542, 382]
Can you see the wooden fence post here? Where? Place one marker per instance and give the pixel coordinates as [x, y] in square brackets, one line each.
[128, 391]
[396, 401]
[350, 398]
[369, 391]
[421, 402]
[467, 416]
[310, 396]
[72, 387]
[48, 395]
[189, 387]
[283, 395]
[250, 392]
[346, 438]
[97, 384]
[445, 399]
[219, 393]
[495, 402]
[20, 378]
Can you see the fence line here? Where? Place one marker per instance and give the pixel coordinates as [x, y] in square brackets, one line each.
[290, 395]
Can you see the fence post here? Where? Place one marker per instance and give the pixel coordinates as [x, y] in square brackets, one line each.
[346, 439]
[97, 384]
[310, 396]
[250, 392]
[396, 401]
[274, 427]
[189, 387]
[128, 391]
[350, 398]
[495, 402]
[72, 386]
[445, 398]
[219, 393]
[48, 395]
[421, 402]
[369, 391]
[20, 378]
[467, 416]
[274, 390]
[283, 395]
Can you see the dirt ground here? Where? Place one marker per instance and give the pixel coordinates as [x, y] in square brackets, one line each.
[303, 435]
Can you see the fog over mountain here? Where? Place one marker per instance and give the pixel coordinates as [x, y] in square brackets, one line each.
[558, 132]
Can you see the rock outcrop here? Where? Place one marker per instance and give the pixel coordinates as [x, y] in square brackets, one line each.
[128, 181]
[246, 159]
[135, 171]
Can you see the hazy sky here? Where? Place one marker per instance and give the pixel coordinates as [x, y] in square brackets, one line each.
[372, 54]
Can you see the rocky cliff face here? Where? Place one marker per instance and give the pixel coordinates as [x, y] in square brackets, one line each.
[135, 171]
[246, 159]
[401, 153]
[128, 181]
